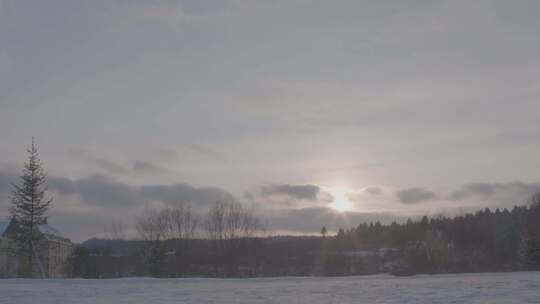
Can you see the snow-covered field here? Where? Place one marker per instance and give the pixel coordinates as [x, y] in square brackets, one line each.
[521, 287]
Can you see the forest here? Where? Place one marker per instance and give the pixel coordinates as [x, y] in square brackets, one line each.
[235, 246]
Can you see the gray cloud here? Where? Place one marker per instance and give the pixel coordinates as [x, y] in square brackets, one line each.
[110, 166]
[185, 193]
[134, 167]
[415, 195]
[289, 196]
[119, 198]
[474, 189]
[203, 152]
[102, 191]
[98, 190]
[107, 165]
[147, 168]
[300, 192]
[374, 190]
[515, 192]
[488, 194]
[167, 154]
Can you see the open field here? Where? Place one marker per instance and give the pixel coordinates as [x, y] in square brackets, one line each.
[518, 287]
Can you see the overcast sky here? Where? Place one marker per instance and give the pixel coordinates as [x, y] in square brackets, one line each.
[385, 109]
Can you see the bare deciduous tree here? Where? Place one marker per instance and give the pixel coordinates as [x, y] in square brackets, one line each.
[181, 222]
[230, 226]
[170, 226]
[115, 231]
[152, 228]
[181, 227]
[231, 220]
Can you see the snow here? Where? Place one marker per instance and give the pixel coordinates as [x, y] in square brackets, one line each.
[45, 229]
[3, 227]
[451, 288]
[48, 230]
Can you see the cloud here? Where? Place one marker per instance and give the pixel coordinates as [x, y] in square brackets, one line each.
[168, 154]
[300, 192]
[103, 163]
[415, 195]
[98, 190]
[289, 196]
[204, 152]
[102, 191]
[513, 192]
[110, 166]
[476, 194]
[147, 168]
[473, 189]
[133, 167]
[185, 193]
[83, 205]
[374, 190]
[301, 208]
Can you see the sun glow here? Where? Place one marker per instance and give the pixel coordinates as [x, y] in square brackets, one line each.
[341, 202]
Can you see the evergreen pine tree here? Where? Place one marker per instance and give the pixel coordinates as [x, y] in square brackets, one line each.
[29, 206]
[324, 231]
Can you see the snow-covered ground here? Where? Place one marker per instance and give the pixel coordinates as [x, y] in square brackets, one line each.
[505, 288]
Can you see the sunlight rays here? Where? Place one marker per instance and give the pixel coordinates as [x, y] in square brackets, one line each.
[341, 201]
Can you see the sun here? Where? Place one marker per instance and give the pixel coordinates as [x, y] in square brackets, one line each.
[341, 202]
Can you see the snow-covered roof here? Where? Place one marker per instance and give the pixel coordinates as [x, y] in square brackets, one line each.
[3, 226]
[48, 230]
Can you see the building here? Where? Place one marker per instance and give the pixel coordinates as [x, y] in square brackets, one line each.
[7, 267]
[52, 253]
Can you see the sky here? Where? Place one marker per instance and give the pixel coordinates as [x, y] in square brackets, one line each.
[312, 112]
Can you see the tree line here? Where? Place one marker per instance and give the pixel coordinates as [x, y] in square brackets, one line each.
[229, 227]
[499, 240]
[230, 243]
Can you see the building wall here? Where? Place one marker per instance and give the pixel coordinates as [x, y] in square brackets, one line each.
[9, 264]
[56, 256]
[53, 254]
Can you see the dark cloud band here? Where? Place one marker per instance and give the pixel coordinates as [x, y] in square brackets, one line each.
[301, 192]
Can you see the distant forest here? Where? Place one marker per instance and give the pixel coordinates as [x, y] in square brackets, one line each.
[488, 240]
